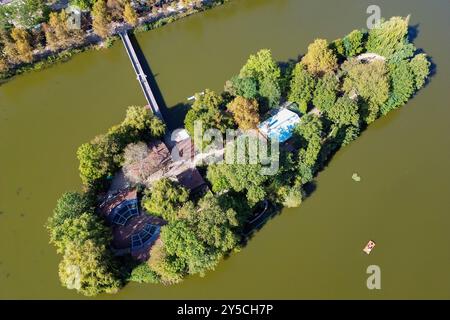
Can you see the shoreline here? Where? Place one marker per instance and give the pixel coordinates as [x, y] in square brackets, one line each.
[47, 58]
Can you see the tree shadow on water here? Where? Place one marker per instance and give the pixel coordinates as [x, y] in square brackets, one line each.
[151, 77]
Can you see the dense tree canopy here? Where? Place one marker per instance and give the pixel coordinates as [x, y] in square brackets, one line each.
[302, 87]
[265, 70]
[246, 87]
[420, 66]
[389, 38]
[165, 198]
[344, 112]
[207, 111]
[245, 112]
[102, 156]
[320, 58]
[369, 81]
[238, 177]
[326, 91]
[88, 268]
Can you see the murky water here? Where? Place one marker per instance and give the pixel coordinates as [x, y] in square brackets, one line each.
[402, 201]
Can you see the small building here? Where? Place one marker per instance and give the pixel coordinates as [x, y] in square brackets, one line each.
[280, 125]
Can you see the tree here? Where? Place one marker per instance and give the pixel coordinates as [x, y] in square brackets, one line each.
[265, 70]
[260, 66]
[212, 222]
[89, 269]
[325, 91]
[245, 87]
[389, 37]
[302, 87]
[28, 13]
[180, 241]
[270, 91]
[58, 34]
[320, 58]
[22, 44]
[102, 156]
[82, 4]
[206, 110]
[370, 81]
[353, 43]
[78, 230]
[293, 197]
[143, 274]
[245, 112]
[4, 66]
[401, 79]
[344, 112]
[165, 198]
[240, 178]
[420, 66]
[136, 167]
[310, 131]
[71, 205]
[144, 124]
[100, 18]
[9, 48]
[129, 14]
[168, 268]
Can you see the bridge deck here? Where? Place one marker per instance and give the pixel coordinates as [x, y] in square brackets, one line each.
[141, 76]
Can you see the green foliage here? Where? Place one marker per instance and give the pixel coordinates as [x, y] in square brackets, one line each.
[293, 196]
[325, 92]
[302, 87]
[265, 70]
[206, 110]
[165, 198]
[353, 43]
[344, 112]
[245, 87]
[310, 131]
[320, 58]
[70, 205]
[401, 79]
[240, 178]
[78, 230]
[389, 37]
[102, 156]
[180, 241]
[28, 13]
[144, 274]
[169, 269]
[420, 66]
[370, 82]
[213, 224]
[82, 4]
[89, 269]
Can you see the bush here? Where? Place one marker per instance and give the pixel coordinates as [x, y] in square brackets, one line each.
[143, 274]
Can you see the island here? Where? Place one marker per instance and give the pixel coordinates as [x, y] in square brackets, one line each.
[150, 212]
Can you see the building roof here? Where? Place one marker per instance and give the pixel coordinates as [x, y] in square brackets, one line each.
[157, 159]
[191, 179]
[114, 200]
[281, 125]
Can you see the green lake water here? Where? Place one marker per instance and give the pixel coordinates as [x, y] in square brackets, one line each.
[402, 201]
